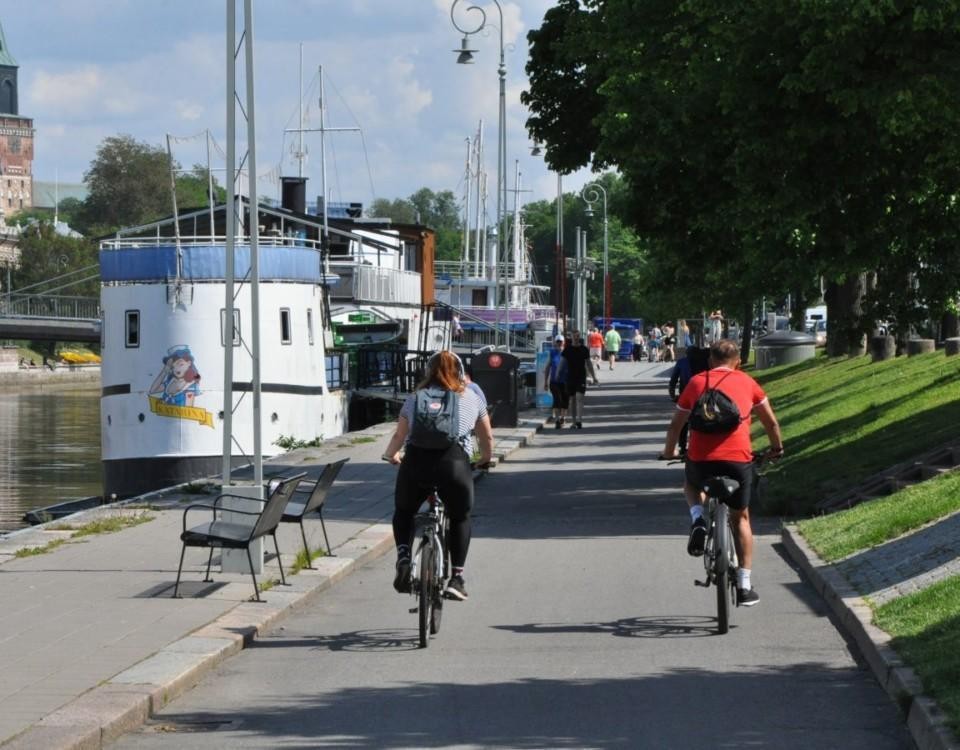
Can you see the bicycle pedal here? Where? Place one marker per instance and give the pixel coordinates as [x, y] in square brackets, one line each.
[413, 610]
[705, 584]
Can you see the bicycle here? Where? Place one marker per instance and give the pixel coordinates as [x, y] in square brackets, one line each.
[720, 561]
[430, 566]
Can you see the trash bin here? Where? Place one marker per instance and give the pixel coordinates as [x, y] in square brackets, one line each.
[784, 348]
[497, 375]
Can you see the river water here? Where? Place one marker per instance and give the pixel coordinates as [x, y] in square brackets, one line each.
[49, 448]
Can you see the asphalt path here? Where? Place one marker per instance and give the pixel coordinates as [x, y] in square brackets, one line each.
[583, 628]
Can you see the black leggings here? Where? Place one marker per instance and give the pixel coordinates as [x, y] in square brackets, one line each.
[449, 471]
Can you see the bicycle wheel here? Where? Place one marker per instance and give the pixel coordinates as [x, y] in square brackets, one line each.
[721, 564]
[437, 612]
[426, 593]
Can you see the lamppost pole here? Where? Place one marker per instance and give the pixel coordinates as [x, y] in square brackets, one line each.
[465, 57]
[591, 194]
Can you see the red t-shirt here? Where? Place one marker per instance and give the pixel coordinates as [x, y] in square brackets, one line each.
[745, 393]
[595, 340]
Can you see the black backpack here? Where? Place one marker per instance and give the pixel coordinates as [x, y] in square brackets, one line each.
[436, 418]
[715, 413]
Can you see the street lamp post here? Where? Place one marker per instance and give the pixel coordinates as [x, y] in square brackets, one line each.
[465, 57]
[591, 194]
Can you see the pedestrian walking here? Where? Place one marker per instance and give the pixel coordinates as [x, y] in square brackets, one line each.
[579, 364]
[639, 345]
[595, 345]
[716, 325]
[611, 342]
[555, 381]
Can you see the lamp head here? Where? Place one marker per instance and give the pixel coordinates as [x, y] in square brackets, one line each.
[464, 54]
[589, 212]
[536, 150]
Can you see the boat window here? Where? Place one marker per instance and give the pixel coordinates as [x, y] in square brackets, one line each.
[337, 371]
[223, 327]
[133, 329]
[310, 325]
[285, 336]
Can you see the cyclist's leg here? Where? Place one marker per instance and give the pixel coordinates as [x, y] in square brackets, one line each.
[455, 484]
[742, 532]
[408, 496]
[695, 472]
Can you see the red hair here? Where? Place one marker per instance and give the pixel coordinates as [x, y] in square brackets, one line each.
[445, 370]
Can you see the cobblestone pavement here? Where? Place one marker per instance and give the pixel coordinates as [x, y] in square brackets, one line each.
[907, 564]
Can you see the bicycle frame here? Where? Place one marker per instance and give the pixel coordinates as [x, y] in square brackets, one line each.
[431, 524]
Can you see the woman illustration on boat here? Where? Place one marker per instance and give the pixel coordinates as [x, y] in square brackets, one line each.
[178, 383]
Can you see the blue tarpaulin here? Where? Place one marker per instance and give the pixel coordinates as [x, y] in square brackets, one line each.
[208, 262]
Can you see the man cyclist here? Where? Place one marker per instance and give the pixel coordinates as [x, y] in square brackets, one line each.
[724, 454]
[447, 469]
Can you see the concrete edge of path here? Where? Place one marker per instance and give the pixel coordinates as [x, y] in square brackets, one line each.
[925, 720]
[125, 702]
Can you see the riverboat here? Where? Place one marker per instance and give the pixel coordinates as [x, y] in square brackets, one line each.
[164, 333]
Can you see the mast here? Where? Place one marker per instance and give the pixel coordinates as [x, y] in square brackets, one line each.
[481, 241]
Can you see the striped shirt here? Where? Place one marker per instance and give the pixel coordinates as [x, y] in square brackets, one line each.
[472, 410]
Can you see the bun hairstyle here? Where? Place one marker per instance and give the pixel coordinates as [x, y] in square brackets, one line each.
[444, 368]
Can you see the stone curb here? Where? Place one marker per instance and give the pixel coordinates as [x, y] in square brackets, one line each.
[925, 720]
[123, 703]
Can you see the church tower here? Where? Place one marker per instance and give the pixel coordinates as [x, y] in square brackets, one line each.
[16, 140]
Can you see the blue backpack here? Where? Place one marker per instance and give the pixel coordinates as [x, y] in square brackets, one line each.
[436, 419]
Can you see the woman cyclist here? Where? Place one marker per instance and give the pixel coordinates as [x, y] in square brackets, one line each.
[446, 469]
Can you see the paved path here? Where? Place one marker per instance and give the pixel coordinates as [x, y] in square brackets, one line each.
[907, 564]
[583, 629]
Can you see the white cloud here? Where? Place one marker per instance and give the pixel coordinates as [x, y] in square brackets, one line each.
[73, 92]
[187, 110]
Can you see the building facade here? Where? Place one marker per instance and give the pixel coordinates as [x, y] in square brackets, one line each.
[16, 140]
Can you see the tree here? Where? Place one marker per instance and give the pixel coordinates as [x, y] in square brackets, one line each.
[128, 184]
[439, 211]
[765, 142]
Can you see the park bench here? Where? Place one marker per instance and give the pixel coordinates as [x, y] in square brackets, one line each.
[221, 534]
[309, 497]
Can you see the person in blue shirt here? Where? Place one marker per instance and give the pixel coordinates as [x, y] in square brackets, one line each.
[555, 379]
[694, 361]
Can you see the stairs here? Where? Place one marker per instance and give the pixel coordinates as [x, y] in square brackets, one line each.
[927, 466]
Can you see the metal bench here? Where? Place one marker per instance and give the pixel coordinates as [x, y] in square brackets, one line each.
[309, 497]
[222, 534]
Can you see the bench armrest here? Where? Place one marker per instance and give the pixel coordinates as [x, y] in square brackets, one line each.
[214, 509]
[217, 500]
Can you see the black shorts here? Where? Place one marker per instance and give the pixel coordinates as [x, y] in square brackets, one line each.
[559, 393]
[573, 388]
[697, 472]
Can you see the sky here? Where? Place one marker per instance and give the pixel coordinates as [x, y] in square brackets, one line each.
[89, 69]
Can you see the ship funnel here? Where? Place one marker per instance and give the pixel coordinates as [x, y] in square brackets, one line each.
[293, 194]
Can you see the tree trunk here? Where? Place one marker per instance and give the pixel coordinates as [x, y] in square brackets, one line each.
[949, 326]
[798, 315]
[747, 332]
[845, 333]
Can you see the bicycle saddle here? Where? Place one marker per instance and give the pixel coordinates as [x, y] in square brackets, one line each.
[721, 488]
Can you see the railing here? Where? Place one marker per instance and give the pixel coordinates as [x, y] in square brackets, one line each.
[396, 369]
[266, 240]
[374, 284]
[49, 306]
[457, 270]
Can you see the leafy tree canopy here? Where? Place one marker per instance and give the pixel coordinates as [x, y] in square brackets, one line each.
[765, 142]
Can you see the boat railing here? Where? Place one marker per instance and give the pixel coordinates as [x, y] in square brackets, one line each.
[456, 269]
[265, 240]
[364, 283]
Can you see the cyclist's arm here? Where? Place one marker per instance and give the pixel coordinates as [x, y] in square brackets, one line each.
[484, 439]
[392, 452]
[770, 424]
[673, 433]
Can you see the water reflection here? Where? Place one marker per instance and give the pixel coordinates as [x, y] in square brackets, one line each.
[49, 449]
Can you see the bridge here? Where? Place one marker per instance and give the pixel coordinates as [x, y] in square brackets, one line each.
[46, 317]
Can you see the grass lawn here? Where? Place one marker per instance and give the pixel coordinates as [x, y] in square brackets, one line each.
[869, 524]
[926, 632]
[846, 419]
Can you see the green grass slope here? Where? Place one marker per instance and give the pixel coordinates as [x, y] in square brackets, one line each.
[846, 419]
